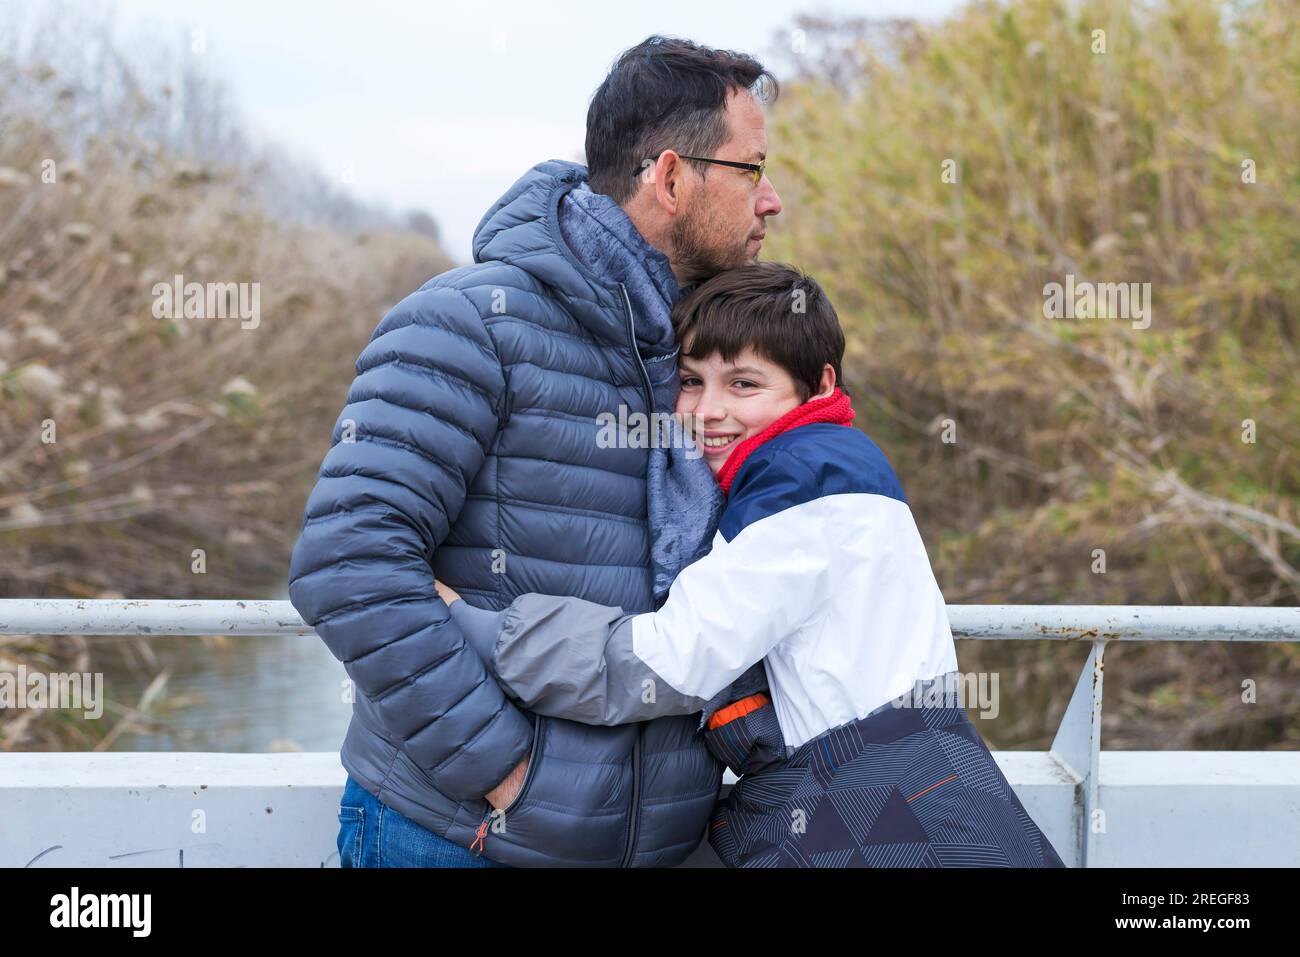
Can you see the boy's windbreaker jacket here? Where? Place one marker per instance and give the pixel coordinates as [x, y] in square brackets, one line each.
[817, 570]
[469, 448]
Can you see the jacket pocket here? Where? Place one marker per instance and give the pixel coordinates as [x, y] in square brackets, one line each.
[498, 821]
[534, 758]
[573, 807]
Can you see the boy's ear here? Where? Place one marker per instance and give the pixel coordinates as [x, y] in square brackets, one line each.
[828, 383]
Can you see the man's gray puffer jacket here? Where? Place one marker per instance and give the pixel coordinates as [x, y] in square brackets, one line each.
[469, 449]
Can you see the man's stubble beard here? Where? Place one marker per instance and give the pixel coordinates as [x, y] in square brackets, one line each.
[699, 259]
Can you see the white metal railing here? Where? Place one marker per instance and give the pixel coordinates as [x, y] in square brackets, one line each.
[1077, 743]
[167, 616]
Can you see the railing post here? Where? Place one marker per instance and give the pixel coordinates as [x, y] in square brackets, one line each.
[1078, 745]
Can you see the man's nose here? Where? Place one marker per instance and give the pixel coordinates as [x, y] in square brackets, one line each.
[769, 203]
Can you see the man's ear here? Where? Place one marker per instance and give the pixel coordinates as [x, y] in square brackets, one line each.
[668, 171]
[828, 383]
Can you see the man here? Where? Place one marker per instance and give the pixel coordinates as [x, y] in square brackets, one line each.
[469, 449]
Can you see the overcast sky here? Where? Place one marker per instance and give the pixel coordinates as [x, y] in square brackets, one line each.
[443, 105]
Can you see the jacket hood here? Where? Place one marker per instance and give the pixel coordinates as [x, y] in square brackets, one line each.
[522, 229]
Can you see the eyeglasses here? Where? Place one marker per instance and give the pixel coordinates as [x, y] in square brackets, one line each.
[758, 170]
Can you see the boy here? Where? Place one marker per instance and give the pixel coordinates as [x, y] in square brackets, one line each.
[818, 573]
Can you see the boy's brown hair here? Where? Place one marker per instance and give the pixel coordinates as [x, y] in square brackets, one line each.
[773, 308]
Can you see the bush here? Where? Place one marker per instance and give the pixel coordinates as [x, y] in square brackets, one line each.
[1071, 435]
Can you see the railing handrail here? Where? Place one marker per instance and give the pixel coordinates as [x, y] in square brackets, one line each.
[257, 618]
[1076, 748]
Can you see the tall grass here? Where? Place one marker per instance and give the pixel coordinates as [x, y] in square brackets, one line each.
[1073, 436]
[128, 443]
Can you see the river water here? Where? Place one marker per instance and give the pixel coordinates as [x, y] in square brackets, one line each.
[232, 694]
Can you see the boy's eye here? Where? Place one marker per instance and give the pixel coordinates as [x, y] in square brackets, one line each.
[689, 380]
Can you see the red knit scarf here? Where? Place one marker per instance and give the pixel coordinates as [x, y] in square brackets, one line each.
[836, 408]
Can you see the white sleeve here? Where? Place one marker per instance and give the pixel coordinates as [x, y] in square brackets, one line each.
[730, 608]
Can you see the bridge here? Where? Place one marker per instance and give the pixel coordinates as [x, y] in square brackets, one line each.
[200, 809]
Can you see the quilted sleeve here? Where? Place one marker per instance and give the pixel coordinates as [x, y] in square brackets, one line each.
[423, 410]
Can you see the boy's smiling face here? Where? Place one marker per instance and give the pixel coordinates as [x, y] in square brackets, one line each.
[731, 401]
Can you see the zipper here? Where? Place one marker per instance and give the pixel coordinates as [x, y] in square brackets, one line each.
[634, 817]
[634, 824]
[636, 354]
[480, 836]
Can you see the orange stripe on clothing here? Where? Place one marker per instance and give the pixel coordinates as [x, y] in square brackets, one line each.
[738, 710]
[930, 788]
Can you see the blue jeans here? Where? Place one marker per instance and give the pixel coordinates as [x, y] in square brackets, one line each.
[372, 834]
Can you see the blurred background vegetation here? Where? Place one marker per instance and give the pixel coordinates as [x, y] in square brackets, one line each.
[1072, 435]
[1083, 434]
[171, 435]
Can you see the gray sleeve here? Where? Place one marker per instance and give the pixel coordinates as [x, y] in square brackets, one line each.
[571, 658]
[480, 626]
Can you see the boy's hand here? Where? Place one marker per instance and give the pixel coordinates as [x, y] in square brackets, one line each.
[504, 794]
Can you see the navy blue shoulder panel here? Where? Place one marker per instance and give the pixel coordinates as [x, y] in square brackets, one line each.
[807, 462]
